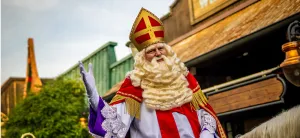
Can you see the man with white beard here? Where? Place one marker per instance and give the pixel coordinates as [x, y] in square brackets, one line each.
[159, 98]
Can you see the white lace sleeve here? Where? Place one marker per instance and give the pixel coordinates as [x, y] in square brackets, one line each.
[207, 122]
[112, 123]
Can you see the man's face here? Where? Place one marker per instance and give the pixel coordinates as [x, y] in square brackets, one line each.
[155, 51]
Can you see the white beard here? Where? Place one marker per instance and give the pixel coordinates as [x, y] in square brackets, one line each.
[164, 85]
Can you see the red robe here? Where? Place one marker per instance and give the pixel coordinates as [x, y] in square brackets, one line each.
[132, 96]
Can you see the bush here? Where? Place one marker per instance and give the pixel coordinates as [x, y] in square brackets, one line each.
[54, 112]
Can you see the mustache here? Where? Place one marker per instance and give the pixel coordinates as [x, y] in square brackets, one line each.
[166, 60]
[155, 67]
[156, 64]
[158, 58]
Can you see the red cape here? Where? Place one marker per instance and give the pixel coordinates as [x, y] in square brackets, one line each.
[133, 97]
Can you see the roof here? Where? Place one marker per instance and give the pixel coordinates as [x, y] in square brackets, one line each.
[12, 79]
[245, 22]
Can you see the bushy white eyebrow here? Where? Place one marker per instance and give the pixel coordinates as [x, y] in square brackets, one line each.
[153, 47]
[149, 49]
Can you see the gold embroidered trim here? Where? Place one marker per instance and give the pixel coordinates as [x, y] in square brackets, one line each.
[198, 100]
[129, 95]
[133, 107]
[197, 87]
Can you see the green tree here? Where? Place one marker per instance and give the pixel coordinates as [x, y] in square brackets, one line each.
[53, 113]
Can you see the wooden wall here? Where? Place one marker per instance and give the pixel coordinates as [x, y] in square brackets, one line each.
[265, 91]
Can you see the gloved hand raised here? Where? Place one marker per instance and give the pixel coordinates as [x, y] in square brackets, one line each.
[89, 83]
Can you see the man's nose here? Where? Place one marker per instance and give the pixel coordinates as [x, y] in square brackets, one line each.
[157, 52]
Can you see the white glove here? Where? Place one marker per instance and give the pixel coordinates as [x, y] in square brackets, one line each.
[90, 86]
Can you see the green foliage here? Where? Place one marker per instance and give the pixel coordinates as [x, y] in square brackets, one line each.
[53, 113]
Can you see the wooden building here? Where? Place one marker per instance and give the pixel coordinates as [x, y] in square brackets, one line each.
[12, 92]
[15, 89]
